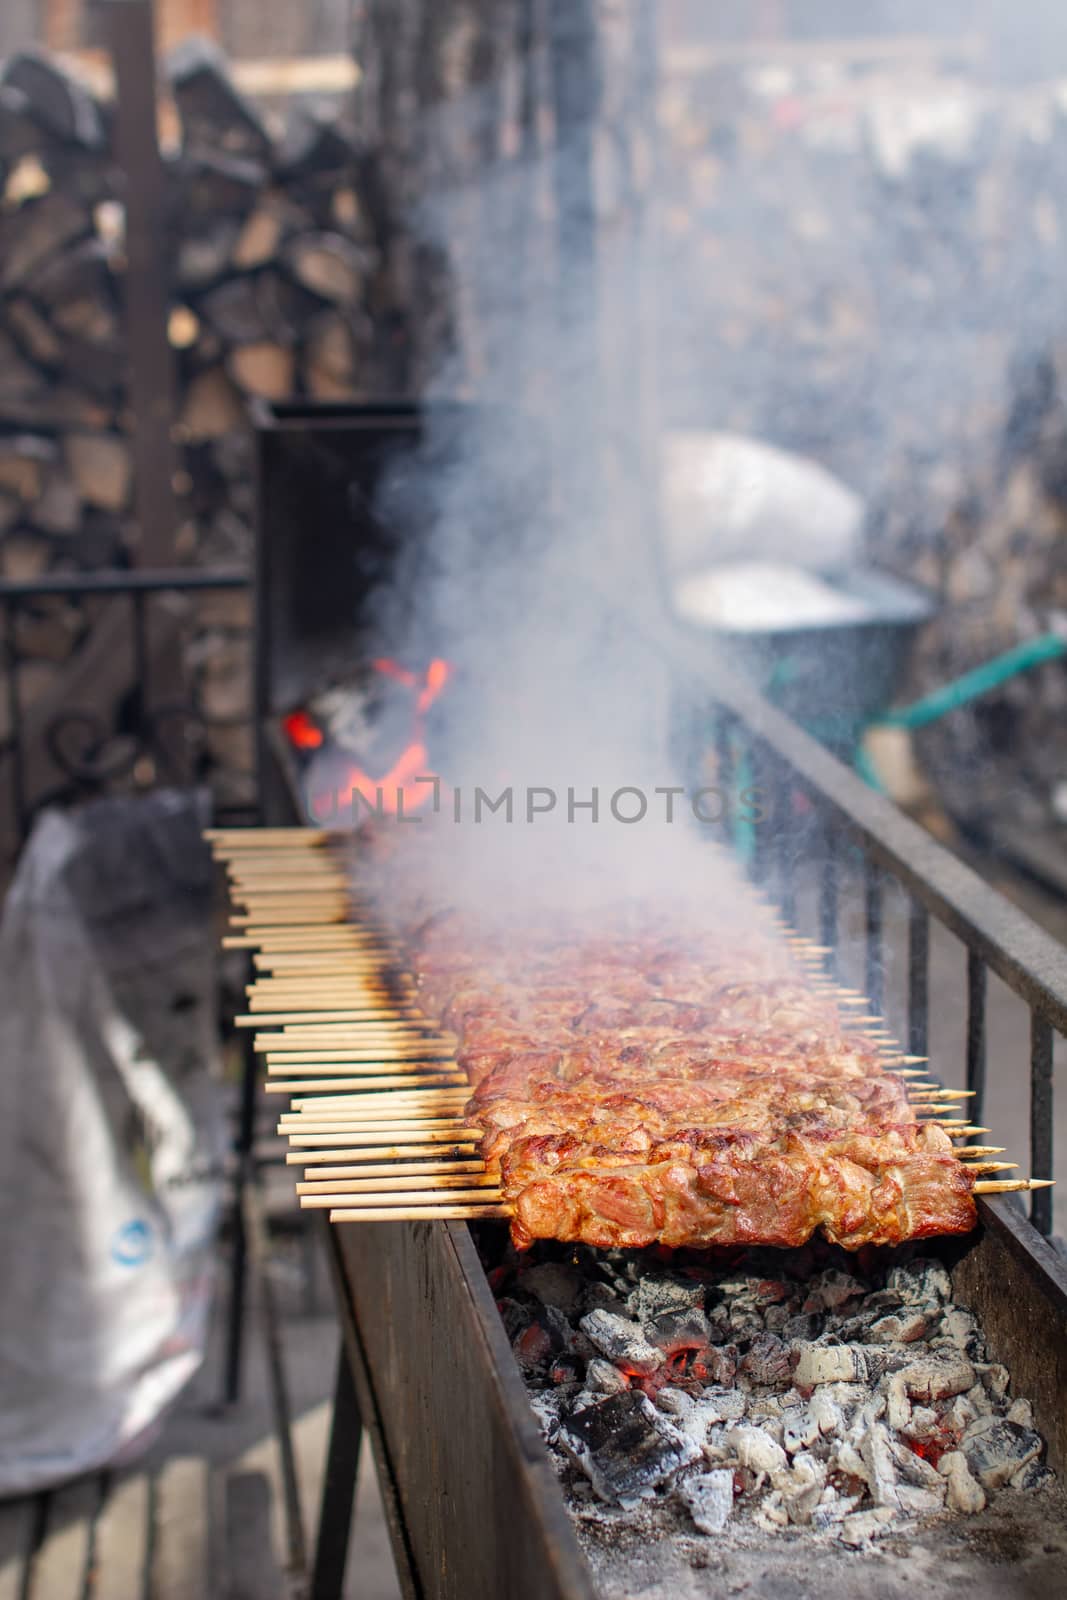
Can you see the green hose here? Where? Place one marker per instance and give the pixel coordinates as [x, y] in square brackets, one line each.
[990, 675]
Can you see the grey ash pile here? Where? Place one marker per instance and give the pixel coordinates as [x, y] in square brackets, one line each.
[787, 1390]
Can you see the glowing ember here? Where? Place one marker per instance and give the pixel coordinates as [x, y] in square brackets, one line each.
[396, 791]
[302, 732]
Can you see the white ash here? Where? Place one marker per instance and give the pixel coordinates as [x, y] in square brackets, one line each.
[787, 1392]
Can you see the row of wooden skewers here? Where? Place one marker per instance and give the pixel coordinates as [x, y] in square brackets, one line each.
[376, 1095]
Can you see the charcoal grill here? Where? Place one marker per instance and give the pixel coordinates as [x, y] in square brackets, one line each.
[471, 1499]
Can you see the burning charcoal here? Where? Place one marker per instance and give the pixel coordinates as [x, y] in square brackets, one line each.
[719, 1404]
[863, 1526]
[963, 1492]
[920, 1283]
[996, 1450]
[1033, 1476]
[599, 1296]
[830, 1289]
[546, 1408]
[805, 1326]
[566, 1368]
[515, 1317]
[621, 1341]
[686, 1328]
[801, 1487]
[898, 1406]
[800, 1428]
[876, 1453]
[899, 1327]
[756, 1450]
[912, 1469]
[604, 1377]
[995, 1379]
[919, 1502]
[962, 1329]
[937, 1377]
[767, 1361]
[625, 1447]
[709, 1499]
[554, 1283]
[960, 1413]
[771, 1514]
[1022, 1412]
[655, 1295]
[834, 1363]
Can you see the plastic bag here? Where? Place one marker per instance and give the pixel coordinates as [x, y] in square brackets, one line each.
[731, 498]
[112, 1135]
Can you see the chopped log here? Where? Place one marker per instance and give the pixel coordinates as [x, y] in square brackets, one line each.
[330, 357]
[57, 510]
[10, 512]
[22, 557]
[30, 235]
[203, 257]
[213, 186]
[212, 406]
[101, 467]
[22, 461]
[18, 134]
[314, 145]
[18, 377]
[329, 265]
[55, 407]
[56, 101]
[267, 370]
[27, 180]
[183, 328]
[213, 115]
[32, 331]
[274, 216]
[77, 289]
[234, 311]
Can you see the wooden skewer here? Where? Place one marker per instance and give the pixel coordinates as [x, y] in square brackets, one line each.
[275, 1019]
[426, 1129]
[320, 1062]
[369, 1137]
[981, 1150]
[435, 1181]
[302, 1158]
[316, 1121]
[357, 1198]
[1012, 1185]
[227, 846]
[378, 1080]
[991, 1166]
[397, 1169]
[416, 1213]
[324, 1104]
[375, 1040]
[943, 1094]
[361, 1069]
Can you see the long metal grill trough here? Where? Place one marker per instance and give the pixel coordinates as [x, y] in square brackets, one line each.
[471, 1490]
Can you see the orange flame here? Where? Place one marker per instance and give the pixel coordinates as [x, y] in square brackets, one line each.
[302, 732]
[395, 792]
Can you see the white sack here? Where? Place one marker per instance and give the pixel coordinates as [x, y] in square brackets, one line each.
[111, 1132]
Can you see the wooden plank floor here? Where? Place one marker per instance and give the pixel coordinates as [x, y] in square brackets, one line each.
[200, 1515]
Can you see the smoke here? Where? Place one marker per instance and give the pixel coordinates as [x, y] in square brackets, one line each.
[842, 260]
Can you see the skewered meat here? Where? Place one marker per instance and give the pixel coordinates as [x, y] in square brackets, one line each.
[661, 1085]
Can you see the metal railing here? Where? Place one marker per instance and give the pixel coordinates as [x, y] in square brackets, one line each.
[840, 813]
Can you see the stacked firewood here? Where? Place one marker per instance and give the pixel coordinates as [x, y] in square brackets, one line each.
[273, 246]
